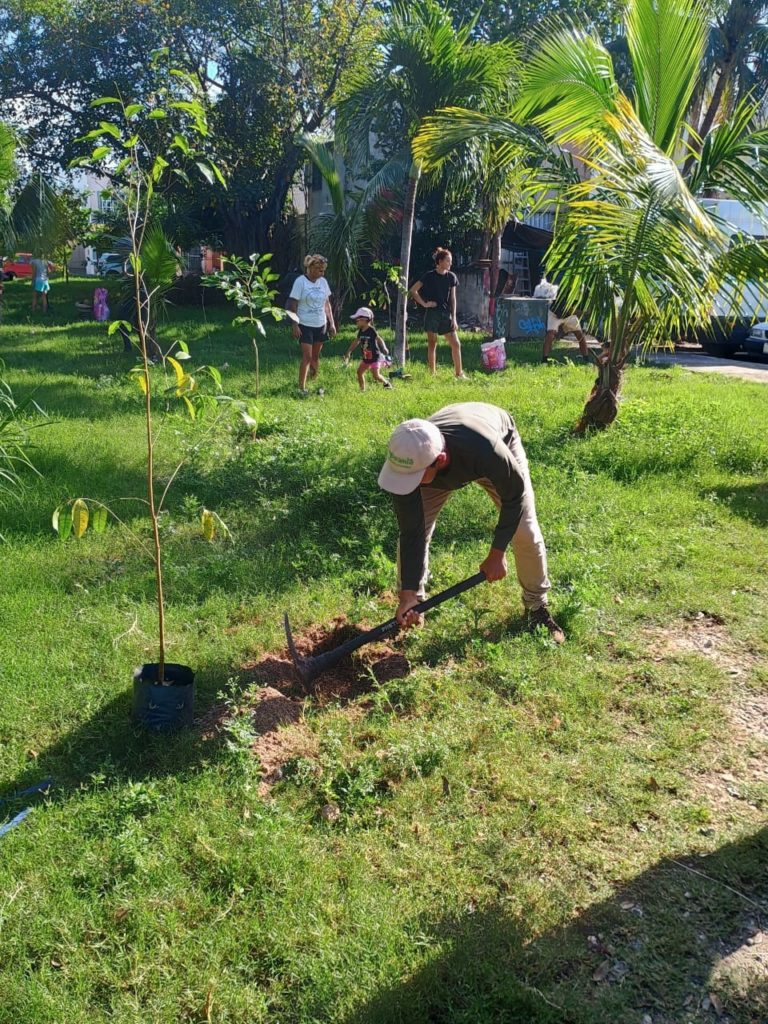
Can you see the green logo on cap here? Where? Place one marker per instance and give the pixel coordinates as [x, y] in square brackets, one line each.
[391, 457]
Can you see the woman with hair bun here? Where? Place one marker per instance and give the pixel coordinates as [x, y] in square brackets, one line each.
[309, 300]
[436, 292]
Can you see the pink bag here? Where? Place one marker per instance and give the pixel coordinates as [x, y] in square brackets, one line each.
[100, 307]
[493, 354]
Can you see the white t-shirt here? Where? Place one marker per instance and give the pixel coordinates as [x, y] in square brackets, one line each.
[312, 296]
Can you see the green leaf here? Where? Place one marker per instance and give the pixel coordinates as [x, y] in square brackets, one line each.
[55, 517]
[157, 114]
[99, 519]
[110, 129]
[132, 109]
[260, 328]
[190, 107]
[131, 142]
[102, 100]
[62, 524]
[158, 167]
[190, 407]
[219, 176]
[179, 142]
[116, 325]
[205, 170]
[135, 263]
[100, 152]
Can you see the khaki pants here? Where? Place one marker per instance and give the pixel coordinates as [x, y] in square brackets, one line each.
[528, 547]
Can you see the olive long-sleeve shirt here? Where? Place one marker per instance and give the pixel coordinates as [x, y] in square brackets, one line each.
[477, 437]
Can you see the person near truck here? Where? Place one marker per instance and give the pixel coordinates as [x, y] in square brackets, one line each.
[427, 460]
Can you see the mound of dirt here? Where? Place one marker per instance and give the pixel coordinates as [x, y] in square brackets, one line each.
[275, 698]
[351, 677]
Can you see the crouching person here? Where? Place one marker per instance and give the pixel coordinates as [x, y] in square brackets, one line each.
[427, 460]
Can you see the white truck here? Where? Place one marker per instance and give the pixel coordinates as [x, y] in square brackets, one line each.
[749, 331]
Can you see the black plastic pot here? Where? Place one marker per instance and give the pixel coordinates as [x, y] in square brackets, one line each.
[164, 708]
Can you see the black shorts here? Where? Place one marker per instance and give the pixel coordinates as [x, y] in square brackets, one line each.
[437, 321]
[313, 335]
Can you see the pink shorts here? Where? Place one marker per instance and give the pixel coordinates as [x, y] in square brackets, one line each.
[371, 366]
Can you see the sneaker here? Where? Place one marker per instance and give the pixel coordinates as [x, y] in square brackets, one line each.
[541, 617]
[386, 384]
[461, 376]
[303, 392]
[321, 391]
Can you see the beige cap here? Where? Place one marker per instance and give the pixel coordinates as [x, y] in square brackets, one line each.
[413, 447]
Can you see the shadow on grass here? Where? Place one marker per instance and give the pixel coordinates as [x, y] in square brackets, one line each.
[749, 501]
[658, 950]
[110, 744]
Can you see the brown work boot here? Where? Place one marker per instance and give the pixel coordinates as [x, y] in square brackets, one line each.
[541, 617]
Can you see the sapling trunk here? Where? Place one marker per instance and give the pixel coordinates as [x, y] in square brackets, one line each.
[409, 213]
[141, 326]
[256, 353]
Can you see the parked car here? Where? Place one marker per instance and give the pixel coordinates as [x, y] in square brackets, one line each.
[111, 264]
[19, 265]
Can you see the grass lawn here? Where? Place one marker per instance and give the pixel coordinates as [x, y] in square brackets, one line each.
[526, 833]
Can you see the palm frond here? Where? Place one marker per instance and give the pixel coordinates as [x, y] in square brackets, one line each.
[36, 216]
[159, 261]
[322, 154]
[568, 87]
[666, 41]
[734, 160]
[447, 129]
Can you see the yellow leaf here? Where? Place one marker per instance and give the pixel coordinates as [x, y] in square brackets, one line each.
[208, 523]
[79, 518]
[180, 375]
[190, 407]
[141, 377]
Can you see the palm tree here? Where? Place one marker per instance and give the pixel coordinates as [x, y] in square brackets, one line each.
[423, 63]
[735, 60]
[636, 250]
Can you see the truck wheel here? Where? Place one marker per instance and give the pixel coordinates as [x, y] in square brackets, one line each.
[721, 349]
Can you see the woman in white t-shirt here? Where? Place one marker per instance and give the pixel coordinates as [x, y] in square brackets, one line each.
[309, 300]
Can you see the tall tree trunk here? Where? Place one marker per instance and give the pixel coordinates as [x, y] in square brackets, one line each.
[409, 211]
[724, 76]
[602, 406]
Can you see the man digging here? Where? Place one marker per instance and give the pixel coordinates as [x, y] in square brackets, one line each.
[429, 459]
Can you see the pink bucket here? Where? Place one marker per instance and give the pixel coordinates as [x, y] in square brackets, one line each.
[493, 354]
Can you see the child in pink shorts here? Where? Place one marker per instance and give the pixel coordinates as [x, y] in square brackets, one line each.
[373, 349]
